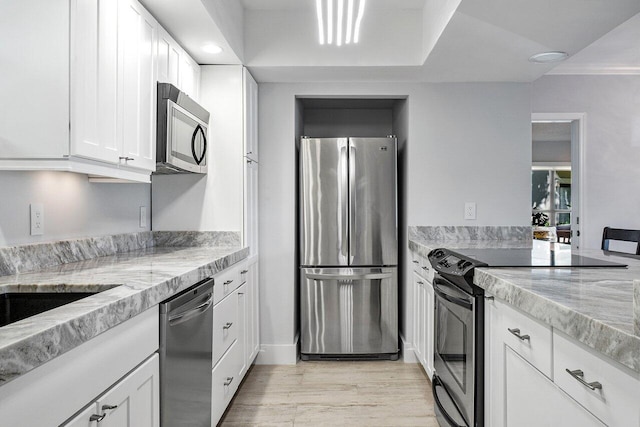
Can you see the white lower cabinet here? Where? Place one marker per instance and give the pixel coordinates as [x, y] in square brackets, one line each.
[132, 402]
[423, 317]
[527, 382]
[532, 400]
[236, 333]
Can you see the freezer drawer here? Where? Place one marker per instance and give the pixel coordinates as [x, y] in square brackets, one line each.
[349, 312]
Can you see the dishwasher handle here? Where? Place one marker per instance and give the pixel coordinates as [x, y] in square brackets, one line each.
[176, 319]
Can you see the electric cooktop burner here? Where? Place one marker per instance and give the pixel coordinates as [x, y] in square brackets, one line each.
[533, 258]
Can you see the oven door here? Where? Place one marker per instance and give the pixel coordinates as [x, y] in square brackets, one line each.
[454, 348]
[186, 139]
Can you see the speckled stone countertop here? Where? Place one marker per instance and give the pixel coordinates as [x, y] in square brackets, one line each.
[134, 281]
[599, 307]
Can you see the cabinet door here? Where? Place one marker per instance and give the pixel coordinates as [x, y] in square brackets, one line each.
[250, 126]
[531, 399]
[168, 58]
[135, 400]
[137, 38]
[254, 325]
[428, 328]
[243, 345]
[418, 316]
[189, 76]
[94, 77]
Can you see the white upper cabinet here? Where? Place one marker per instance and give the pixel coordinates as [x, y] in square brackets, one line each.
[138, 35]
[175, 66]
[82, 78]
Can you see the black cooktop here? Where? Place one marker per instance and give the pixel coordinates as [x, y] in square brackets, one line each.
[533, 258]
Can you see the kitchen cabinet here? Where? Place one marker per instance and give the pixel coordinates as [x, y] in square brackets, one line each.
[236, 333]
[526, 364]
[132, 402]
[175, 66]
[423, 313]
[92, 108]
[87, 371]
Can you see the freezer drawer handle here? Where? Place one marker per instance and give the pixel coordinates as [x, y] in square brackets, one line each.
[366, 276]
[579, 375]
[190, 314]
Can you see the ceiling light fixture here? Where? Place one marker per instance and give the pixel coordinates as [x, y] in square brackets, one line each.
[211, 48]
[336, 19]
[547, 57]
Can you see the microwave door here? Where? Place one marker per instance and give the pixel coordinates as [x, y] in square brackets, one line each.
[185, 134]
[199, 146]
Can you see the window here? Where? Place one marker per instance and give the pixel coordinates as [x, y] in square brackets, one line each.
[551, 197]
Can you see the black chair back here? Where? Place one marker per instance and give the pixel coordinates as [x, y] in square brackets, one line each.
[620, 234]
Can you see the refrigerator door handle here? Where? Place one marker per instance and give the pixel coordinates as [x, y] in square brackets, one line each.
[352, 199]
[344, 202]
[366, 276]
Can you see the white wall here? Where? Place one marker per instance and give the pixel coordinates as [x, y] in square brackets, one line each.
[73, 206]
[473, 138]
[612, 148]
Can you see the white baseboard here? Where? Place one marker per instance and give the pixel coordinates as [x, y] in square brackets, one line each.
[408, 354]
[277, 354]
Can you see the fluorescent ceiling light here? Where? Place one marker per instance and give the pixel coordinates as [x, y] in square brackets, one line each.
[336, 20]
[211, 48]
[546, 57]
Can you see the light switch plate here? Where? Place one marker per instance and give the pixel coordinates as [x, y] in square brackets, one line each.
[143, 217]
[470, 210]
[37, 219]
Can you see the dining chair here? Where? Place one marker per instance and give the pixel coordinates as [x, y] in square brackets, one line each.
[621, 240]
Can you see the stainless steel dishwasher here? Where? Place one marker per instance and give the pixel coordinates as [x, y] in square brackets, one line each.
[186, 335]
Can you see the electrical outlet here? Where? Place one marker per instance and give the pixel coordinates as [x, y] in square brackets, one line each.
[470, 210]
[143, 217]
[37, 219]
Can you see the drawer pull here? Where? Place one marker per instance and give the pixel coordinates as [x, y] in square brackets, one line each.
[108, 407]
[228, 282]
[516, 332]
[420, 282]
[579, 375]
[415, 261]
[97, 418]
[227, 325]
[425, 268]
[244, 271]
[490, 298]
[228, 381]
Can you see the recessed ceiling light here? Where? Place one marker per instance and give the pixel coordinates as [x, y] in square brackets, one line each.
[546, 57]
[212, 48]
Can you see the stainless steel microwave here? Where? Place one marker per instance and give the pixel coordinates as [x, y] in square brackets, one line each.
[181, 133]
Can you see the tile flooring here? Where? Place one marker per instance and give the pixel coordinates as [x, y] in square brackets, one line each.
[327, 393]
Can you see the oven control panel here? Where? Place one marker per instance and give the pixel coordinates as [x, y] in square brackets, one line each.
[445, 262]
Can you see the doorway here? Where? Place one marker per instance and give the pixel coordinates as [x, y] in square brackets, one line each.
[556, 177]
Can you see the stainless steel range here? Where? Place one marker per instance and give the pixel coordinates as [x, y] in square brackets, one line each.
[458, 381]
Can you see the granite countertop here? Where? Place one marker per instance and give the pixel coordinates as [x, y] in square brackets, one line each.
[129, 283]
[599, 307]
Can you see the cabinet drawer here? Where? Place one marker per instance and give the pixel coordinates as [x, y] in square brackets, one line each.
[616, 402]
[225, 382]
[534, 343]
[225, 326]
[422, 266]
[225, 282]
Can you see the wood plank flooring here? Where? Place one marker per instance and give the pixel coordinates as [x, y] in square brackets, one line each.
[379, 393]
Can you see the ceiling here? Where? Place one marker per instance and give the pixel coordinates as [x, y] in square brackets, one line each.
[411, 40]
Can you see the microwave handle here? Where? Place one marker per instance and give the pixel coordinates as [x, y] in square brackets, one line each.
[193, 144]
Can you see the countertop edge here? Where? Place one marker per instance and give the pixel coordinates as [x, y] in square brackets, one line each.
[30, 351]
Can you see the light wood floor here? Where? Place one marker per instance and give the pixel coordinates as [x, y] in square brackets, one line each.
[376, 393]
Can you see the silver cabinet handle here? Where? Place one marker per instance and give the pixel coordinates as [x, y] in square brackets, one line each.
[97, 418]
[244, 271]
[126, 159]
[228, 381]
[415, 261]
[227, 325]
[228, 282]
[579, 375]
[489, 298]
[425, 268]
[420, 282]
[108, 407]
[516, 332]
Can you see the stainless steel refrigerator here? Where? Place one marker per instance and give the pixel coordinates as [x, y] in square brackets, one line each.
[348, 248]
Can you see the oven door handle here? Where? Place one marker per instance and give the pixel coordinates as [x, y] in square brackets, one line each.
[454, 300]
[435, 383]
